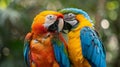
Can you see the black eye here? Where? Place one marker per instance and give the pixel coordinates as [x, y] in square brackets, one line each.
[71, 15]
[50, 17]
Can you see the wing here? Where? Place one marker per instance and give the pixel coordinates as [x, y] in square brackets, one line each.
[27, 49]
[92, 48]
[60, 53]
[26, 53]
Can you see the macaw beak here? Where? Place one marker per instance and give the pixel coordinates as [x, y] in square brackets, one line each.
[57, 26]
[60, 24]
[68, 25]
[66, 28]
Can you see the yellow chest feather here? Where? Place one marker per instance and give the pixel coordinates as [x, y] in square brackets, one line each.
[74, 45]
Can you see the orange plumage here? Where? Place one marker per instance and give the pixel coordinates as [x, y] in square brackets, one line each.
[37, 26]
[41, 52]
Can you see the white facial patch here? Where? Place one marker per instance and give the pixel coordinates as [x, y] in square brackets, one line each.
[49, 20]
[72, 22]
[70, 18]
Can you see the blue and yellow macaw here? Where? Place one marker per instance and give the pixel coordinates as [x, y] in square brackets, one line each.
[44, 45]
[85, 48]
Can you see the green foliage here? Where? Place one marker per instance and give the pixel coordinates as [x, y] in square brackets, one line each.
[16, 17]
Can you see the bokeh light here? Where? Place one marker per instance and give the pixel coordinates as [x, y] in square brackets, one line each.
[112, 5]
[108, 57]
[105, 24]
[113, 43]
[112, 15]
[112, 49]
[6, 51]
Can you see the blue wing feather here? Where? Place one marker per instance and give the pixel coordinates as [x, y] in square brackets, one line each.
[60, 55]
[92, 48]
[26, 53]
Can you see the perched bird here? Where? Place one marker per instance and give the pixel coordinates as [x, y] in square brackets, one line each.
[85, 48]
[44, 46]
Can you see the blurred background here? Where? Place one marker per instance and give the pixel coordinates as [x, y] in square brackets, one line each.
[16, 17]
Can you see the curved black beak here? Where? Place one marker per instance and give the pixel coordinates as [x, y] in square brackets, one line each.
[53, 27]
[66, 26]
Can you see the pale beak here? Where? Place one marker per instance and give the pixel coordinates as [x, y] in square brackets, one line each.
[60, 24]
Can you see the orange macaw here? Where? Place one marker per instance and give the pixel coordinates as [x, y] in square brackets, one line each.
[44, 45]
